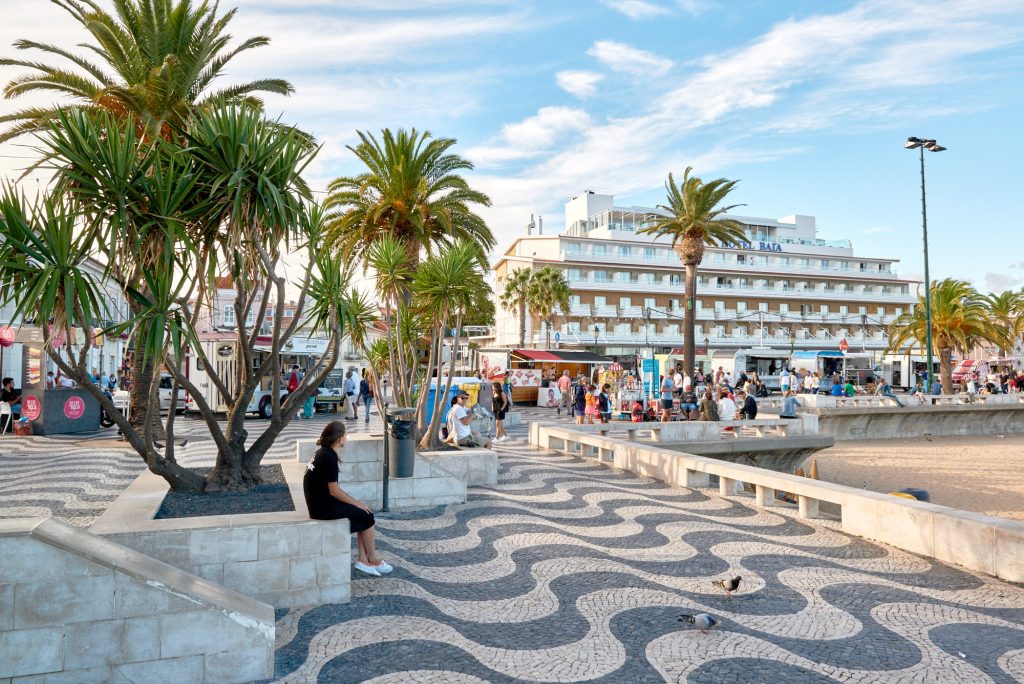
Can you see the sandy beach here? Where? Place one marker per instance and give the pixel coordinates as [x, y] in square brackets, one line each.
[981, 474]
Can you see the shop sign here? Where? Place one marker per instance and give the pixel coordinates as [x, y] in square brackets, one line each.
[31, 407]
[6, 336]
[225, 350]
[762, 246]
[844, 345]
[74, 408]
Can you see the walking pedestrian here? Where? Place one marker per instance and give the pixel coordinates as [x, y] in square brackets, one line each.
[365, 394]
[350, 388]
[499, 406]
[565, 387]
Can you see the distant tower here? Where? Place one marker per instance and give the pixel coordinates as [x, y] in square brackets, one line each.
[540, 225]
[530, 226]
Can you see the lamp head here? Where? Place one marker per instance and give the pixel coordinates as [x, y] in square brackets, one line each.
[935, 147]
[912, 143]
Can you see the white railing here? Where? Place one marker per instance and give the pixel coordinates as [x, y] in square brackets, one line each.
[978, 542]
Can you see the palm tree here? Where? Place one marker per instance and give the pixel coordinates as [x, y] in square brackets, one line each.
[960, 320]
[1007, 311]
[694, 220]
[445, 287]
[157, 62]
[411, 190]
[548, 293]
[515, 297]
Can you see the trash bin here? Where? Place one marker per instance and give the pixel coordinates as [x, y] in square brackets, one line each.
[401, 448]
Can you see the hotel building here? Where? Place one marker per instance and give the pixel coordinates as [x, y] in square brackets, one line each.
[785, 289]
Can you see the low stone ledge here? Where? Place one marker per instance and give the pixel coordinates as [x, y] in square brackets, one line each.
[82, 608]
[268, 556]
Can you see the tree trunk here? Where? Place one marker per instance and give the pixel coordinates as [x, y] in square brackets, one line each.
[547, 344]
[522, 325]
[946, 369]
[689, 331]
[144, 374]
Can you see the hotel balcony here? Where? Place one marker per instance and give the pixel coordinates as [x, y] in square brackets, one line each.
[609, 311]
[661, 338]
[638, 261]
[857, 293]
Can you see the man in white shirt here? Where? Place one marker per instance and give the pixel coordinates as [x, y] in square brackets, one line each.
[459, 420]
[726, 407]
[677, 378]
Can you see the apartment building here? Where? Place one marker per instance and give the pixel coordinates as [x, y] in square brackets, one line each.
[785, 288]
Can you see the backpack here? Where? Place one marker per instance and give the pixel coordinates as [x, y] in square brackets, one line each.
[293, 382]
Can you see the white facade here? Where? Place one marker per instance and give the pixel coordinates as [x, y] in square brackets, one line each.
[786, 288]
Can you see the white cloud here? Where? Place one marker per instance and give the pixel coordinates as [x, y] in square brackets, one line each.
[694, 7]
[628, 59]
[998, 282]
[579, 83]
[532, 136]
[637, 9]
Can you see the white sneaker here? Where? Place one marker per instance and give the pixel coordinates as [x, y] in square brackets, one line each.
[383, 567]
[367, 569]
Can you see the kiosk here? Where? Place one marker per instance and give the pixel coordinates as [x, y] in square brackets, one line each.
[57, 411]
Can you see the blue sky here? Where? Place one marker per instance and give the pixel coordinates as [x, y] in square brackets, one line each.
[807, 103]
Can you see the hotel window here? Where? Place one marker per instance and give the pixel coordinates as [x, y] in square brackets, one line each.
[805, 263]
[600, 276]
[761, 260]
[648, 279]
[673, 304]
[787, 285]
[863, 310]
[844, 265]
[623, 277]
[674, 280]
[574, 300]
[783, 261]
[624, 250]
[741, 307]
[762, 306]
[573, 248]
[718, 258]
[741, 259]
[844, 309]
[229, 315]
[745, 282]
[825, 263]
[700, 305]
[698, 331]
[625, 302]
[880, 311]
[824, 309]
[650, 302]
[898, 311]
[649, 253]
[702, 281]
[598, 250]
[572, 275]
[719, 306]
[600, 300]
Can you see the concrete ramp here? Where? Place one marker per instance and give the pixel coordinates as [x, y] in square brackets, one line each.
[781, 454]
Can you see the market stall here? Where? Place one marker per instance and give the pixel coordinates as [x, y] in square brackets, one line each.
[533, 374]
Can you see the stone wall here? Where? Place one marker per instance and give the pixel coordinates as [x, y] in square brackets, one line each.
[860, 423]
[79, 608]
[439, 477]
[284, 559]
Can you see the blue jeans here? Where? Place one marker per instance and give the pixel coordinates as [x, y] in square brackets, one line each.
[366, 402]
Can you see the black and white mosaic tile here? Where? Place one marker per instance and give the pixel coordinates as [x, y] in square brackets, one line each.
[568, 571]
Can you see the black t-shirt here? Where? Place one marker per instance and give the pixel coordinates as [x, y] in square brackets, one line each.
[320, 472]
[10, 396]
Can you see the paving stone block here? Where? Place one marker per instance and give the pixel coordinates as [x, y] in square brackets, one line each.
[289, 541]
[37, 604]
[23, 559]
[183, 634]
[210, 571]
[301, 573]
[31, 651]
[133, 597]
[110, 642]
[336, 536]
[333, 570]
[223, 545]
[6, 607]
[172, 547]
[169, 670]
[251, 577]
[339, 593]
[240, 666]
[91, 675]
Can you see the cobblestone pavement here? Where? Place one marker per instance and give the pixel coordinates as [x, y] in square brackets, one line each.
[75, 477]
[569, 571]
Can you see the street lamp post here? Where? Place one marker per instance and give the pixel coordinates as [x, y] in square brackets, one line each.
[707, 352]
[923, 144]
[595, 338]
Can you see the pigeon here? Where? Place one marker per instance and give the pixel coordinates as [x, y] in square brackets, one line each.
[729, 585]
[702, 621]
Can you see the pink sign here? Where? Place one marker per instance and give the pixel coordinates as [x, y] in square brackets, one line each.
[6, 336]
[74, 407]
[31, 407]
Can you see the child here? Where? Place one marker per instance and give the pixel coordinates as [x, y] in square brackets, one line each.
[604, 403]
[638, 412]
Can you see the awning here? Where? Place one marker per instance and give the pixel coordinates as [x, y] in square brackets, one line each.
[815, 354]
[560, 356]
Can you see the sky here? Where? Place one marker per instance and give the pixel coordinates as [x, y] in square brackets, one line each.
[807, 104]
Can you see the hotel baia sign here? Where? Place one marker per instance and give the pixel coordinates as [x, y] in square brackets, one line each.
[762, 246]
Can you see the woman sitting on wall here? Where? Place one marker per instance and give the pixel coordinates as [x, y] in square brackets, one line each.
[326, 501]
